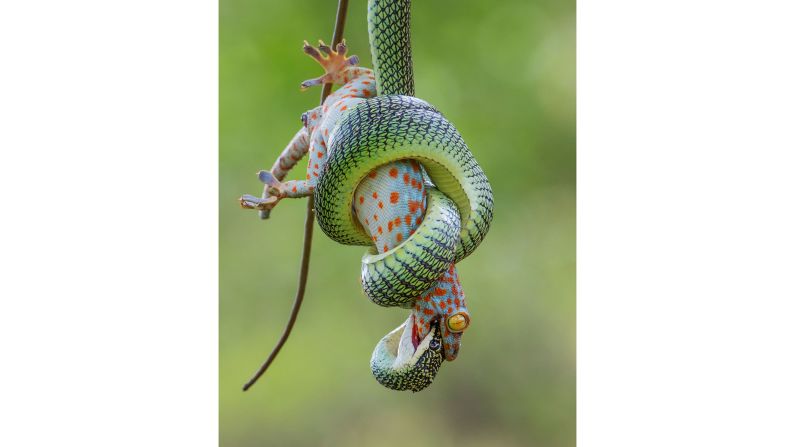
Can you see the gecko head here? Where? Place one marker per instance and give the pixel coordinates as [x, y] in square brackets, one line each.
[399, 364]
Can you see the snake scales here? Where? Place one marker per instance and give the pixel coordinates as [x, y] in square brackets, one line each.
[388, 171]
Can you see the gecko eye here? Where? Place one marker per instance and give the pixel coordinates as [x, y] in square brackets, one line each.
[458, 322]
[304, 118]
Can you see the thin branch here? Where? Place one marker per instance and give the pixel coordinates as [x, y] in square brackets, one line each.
[339, 28]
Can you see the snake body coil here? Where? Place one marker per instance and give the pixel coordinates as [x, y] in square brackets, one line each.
[440, 212]
[390, 128]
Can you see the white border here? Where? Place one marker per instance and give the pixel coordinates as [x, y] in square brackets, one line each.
[109, 236]
[109, 189]
[686, 223]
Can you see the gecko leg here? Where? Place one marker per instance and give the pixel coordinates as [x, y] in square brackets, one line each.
[334, 63]
[275, 191]
[294, 152]
[291, 155]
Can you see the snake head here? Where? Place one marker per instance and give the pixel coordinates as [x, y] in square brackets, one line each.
[399, 365]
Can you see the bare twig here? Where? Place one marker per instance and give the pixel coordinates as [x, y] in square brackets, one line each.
[339, 28]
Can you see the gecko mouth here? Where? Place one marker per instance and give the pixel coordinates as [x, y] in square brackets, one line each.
[402, 362]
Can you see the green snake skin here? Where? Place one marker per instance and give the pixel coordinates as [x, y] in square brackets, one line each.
[422, 258]
[390, 128]
[389, 28]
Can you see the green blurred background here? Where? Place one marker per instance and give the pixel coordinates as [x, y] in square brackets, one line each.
[503, 73]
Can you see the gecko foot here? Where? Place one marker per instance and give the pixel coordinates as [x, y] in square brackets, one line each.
[257, 203]
[271, 194]
[334, 63]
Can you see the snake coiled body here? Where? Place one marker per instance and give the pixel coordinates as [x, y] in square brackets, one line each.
[387, 129]
[389, 171]
[390, 128]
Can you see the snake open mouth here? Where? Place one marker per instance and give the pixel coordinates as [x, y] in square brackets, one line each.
[402, 363]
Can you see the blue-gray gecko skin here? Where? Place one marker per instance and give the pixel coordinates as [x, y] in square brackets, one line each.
[388, 171]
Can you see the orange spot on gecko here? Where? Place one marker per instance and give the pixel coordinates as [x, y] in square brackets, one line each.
[406, 178]
[375, 216]
[408, 219]
[320, 155]
[343, 108]
[375, 195]
[361, 200]
[413, 207]
[399, 237]
[386, 248]
[393, 197]
[389, 226]
[439, 291]
[393, 172]
[372, 174]
[381, 205]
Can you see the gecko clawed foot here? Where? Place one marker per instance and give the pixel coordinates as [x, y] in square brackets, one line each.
[272, 193]
[334, 63]
[257, 203]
